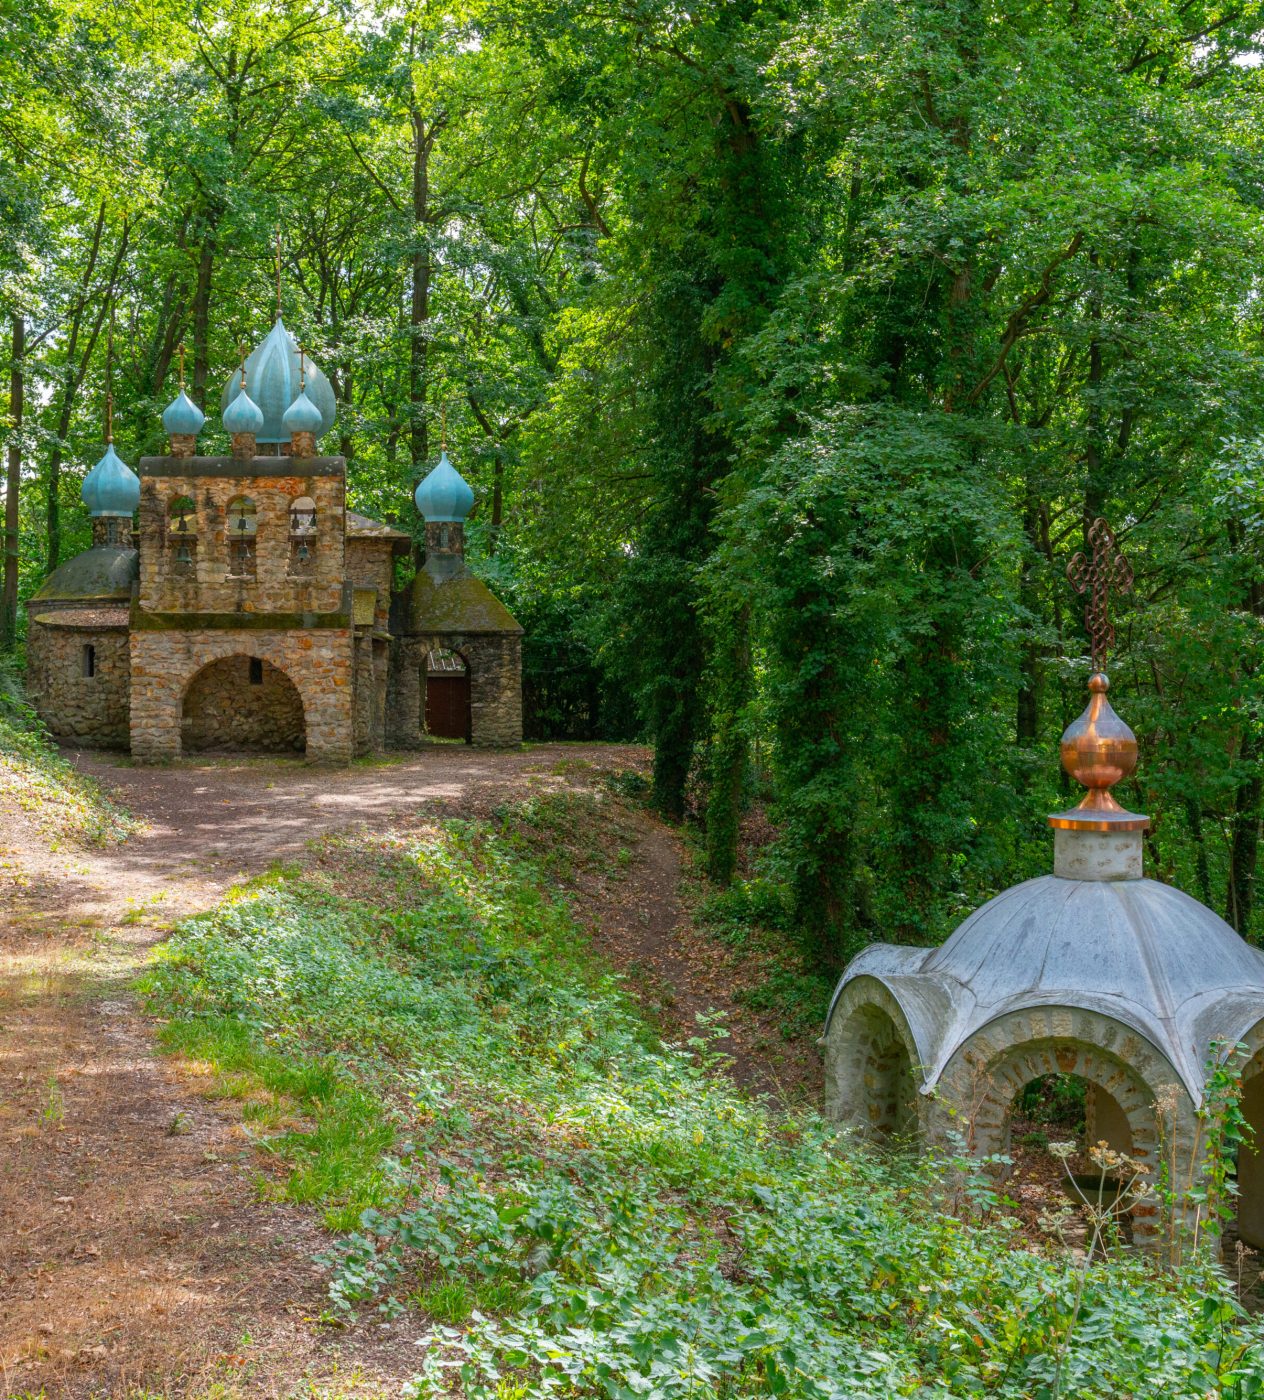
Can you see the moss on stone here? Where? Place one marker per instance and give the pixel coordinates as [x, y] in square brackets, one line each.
[460, 604]
[104, 573]
[236, 621]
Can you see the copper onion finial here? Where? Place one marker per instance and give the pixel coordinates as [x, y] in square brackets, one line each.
[1098, 749]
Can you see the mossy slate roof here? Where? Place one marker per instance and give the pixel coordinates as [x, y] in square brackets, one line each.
[104, 573]
[463, 603]
[91, 619]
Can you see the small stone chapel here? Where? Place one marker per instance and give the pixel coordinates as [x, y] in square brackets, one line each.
[235, 603]
[1093, 971]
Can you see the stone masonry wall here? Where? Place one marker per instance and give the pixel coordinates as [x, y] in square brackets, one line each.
[317, 660]
[494, 662]
[371, 564]
[223, 710]
[210, 587]
[372, 658]
[92, 710]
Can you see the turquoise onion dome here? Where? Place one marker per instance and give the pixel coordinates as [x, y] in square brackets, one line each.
[272, 374]
[243, 415]
[182, 417]
[111, 487]
[302, 416]
[444, 496]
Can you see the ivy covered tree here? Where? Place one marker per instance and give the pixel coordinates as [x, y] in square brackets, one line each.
[791, 350]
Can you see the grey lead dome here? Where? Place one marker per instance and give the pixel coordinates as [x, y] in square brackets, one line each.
[1140, 952]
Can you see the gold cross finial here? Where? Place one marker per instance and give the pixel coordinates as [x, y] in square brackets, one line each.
[302, 368]
[443, 427]
[278, 273]
[241, 353]
[182, 364]
[1097, 573]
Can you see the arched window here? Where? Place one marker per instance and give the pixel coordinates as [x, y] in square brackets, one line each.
[182, 534]
[241, 526]
[302, 535]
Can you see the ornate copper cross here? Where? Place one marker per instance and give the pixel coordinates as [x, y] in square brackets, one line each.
[1097, 576]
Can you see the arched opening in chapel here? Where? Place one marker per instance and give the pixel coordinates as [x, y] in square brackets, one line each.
[242, 704]
[1061, 1108]
[1068, 1108]
[1250, 1163]
[885, 1109]
[446, 695]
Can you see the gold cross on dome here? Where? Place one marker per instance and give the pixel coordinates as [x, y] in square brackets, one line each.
[1103, 571]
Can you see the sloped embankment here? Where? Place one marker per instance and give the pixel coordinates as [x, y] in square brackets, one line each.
[546, 1199]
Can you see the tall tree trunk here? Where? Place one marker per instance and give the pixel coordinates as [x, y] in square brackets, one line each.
[1244, 847]
[730, 677]
[1094, 485]
[1027, 716]
[202, 316]
[1248, 807]
[498, 472]
[76, 368]
[12, 485]
[419, 308]
[1202, 867]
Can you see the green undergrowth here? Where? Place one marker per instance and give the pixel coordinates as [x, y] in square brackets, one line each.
[751, 918]
[62, 802]
[425, 1046]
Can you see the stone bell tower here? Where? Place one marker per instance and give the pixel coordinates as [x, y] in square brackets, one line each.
[242, 631]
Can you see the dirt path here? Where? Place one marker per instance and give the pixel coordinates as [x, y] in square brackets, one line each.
[131, 1241]
[642, 926]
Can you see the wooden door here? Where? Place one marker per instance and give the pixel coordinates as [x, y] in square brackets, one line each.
[448, 706]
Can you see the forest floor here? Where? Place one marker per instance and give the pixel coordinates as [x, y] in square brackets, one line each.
[133, 1241]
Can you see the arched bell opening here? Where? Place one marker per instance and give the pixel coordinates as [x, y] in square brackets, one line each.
[446, 695]
[242, 704]
[874, 1072]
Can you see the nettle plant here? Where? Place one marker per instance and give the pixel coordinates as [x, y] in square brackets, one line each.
[1197, 1191]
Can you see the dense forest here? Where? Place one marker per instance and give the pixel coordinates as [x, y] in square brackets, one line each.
[790, 348]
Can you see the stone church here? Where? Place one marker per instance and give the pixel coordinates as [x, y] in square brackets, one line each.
[235, 603]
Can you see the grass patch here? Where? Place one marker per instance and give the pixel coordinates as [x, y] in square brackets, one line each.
[34, 778]
[578, 1210]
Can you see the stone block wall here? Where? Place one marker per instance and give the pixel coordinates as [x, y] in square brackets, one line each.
[91, 710]
[372, 664]
[495, 667]
[224, 709]
[212, 483]
[494, 663]
[318, 661]
[371, 564]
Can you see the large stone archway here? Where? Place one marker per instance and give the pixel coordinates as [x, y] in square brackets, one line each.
[986, 1074]
[242, 703]
[872, 1080]
[317, 661]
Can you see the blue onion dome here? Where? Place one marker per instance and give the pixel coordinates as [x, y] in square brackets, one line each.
[243, 416]
[182, 417]
[444, 495]
[272, 374]
[111, 487]
[302, 416]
